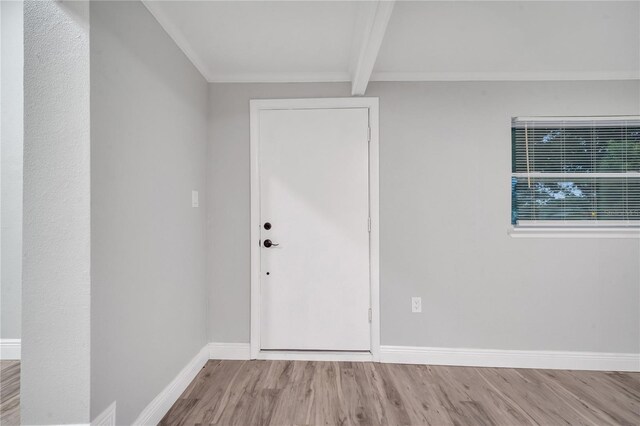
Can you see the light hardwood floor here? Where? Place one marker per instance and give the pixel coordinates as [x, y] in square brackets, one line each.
[340, 393]
[9, 393]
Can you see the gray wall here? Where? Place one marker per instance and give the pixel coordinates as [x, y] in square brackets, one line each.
[11, 166]
[445, 161]
[54, 382]
[148, 151]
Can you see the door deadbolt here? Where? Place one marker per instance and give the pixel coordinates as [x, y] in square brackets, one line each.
[267, 226]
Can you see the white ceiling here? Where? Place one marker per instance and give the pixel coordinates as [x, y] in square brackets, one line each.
[246, 40]
[274, 41]
[528, 40]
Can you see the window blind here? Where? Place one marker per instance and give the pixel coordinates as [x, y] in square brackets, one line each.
[582, 171]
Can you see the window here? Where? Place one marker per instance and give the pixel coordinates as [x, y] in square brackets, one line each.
[575, 172]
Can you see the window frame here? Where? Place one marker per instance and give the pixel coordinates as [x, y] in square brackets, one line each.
[570, 228]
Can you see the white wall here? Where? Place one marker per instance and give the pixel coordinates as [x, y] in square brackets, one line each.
[54, 383]
[11, 166]
[148, 152]
[445, 161]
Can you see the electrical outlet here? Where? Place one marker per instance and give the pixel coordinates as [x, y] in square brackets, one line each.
[416, 304]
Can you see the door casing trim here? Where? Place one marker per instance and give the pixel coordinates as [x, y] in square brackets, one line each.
[257, 105]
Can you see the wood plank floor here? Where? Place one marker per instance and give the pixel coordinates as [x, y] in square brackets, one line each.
[344, 393]
[9, 393]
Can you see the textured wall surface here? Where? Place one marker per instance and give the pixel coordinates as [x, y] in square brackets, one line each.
[56, 269]
[445, 162]
[11, 157]
[148, 152]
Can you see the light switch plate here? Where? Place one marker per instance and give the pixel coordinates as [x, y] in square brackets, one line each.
[195, 202]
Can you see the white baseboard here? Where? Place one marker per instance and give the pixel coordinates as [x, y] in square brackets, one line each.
[107, 417]
[316, 356]
[155, 411]
[598, 361]
[229, 351]
[242, 351]
[511, 359]
[10, 349]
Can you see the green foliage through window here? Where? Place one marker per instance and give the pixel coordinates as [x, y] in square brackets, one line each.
[575, 170]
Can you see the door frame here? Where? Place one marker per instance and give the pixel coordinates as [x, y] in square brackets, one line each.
[374, 238]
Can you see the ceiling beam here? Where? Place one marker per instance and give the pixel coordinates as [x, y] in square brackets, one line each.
[370, 29]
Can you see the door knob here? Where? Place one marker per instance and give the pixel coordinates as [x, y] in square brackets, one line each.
[269, 243]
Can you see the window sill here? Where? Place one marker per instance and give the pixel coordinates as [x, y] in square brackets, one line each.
[573, 232]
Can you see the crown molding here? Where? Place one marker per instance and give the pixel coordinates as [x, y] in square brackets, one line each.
[292, 77]
[332, 77]
[505, 76]
[372, 22]
[177, 36]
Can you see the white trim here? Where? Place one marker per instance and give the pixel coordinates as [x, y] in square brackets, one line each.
[107, 417]
[242, 351]
[273, 104]
[565, 360]
[281, 77]
[375, 21]
[545, 119]
[504, 76]
[10, 349]
[153, 6]
[368, 47]
[312, 103]
[344, 76]
[599, 361]
[156, 410]
[229, 350]
[629, 174]
[374, 235]
[568, 232]
[254, 131]
[589, 224]
[316, 356]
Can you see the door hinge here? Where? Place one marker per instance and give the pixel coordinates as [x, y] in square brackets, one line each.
[369, 225]
[370, 314]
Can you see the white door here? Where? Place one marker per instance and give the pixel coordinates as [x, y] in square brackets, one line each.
[314, 194]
